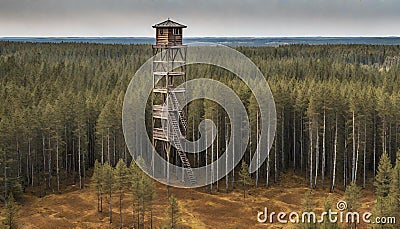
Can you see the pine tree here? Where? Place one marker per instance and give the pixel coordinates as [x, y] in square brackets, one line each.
[386, 204]
[142, 188]
[147, 193]
[121, 180]
[352, 197]
[395, 188]
[11, 212]
[308, 206]
[98, 180]
[327, 224]
[108, 184]
[134, 183]
[244, 177]
[384, 176]
[173, 213]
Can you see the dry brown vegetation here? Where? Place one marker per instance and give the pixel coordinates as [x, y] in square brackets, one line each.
[78, 208]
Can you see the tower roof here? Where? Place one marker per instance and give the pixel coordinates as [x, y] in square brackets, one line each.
[169, 24]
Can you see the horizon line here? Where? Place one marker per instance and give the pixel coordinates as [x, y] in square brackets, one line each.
[283, 36]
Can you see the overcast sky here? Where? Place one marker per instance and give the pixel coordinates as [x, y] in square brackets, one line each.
[250, 18]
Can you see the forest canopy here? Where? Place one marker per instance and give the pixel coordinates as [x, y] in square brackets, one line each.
[337, 108]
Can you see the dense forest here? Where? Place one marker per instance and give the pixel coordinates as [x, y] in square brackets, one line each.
[337, 108]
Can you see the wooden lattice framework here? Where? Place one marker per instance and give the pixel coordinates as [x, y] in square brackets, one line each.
[169, 122]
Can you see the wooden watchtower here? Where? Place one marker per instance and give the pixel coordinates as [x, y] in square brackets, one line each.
[169, 123]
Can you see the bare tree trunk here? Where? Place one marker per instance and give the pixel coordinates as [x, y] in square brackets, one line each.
[276, 162]
[257, 152]
[19, 159]
[114, 149]
[226, 158]
[316, 156]
[345, 158]
[323, 150]
[108, 146]
[30, 166]
[357, 153]
[35, 167]
[206, 160]
[389, 143]
[212, 161]
[83, 169]
[79, 158]
[374, 147]
[5, 177]
[301, 143]
[28, 157]
[44, 165]
[283, 138]
[294, 140]
[334, 155]
[267, 165]
[73, 161]
[58, 169]
[396, 136]
[102, 148]
[217, 153]
[233, 157]
[354, 151]
[194, 156]
[365, 152]
[49, 164]
[66, 150]
[199, 160]
[311, 156]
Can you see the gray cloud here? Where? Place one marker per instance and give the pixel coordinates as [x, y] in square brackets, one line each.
[204, 18]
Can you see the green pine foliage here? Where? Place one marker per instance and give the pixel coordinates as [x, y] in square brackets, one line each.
[308, 206]
[109, 186]
[143, 191]
[352, 197]
[98, 181]
[327, 224]
[395, 188]
[121, 181]
[10, 213]
[173, 213]
[383, 179]
[387, 191]
[245, 178]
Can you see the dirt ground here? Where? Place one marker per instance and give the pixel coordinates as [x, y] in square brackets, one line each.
[78, 208]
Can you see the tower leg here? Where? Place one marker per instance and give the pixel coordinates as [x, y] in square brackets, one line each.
[168, 151]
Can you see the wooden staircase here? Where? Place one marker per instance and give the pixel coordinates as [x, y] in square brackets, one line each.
[175, 136]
